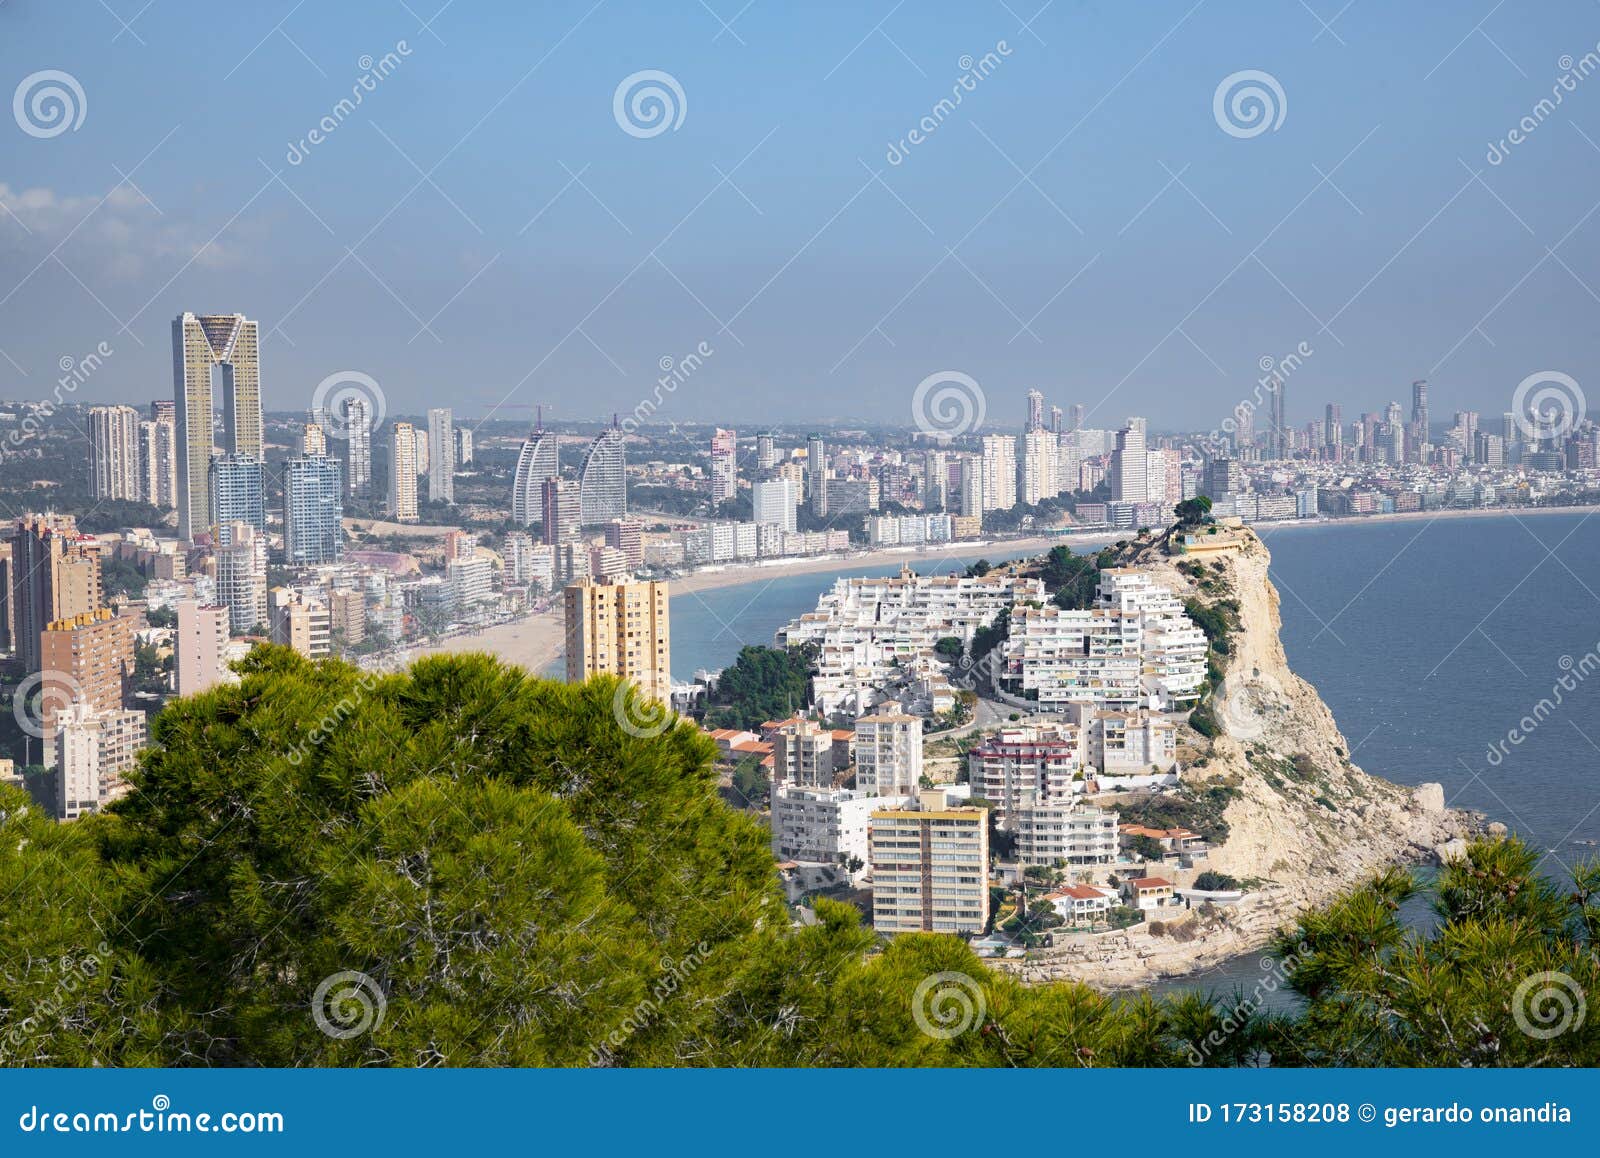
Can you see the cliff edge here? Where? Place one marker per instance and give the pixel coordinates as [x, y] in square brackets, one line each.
[1304, 822]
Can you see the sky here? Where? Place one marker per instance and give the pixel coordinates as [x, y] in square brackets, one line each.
[490, 229]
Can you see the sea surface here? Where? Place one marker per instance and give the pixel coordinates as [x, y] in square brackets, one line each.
[1440, 646]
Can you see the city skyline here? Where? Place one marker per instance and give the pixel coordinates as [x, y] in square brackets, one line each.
[1129, 252]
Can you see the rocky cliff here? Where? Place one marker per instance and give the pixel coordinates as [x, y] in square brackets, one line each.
[1304, 822]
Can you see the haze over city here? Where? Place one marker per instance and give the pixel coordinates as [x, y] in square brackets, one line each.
[479, 229]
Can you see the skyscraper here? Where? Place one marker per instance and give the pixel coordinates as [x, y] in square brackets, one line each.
[817, 474]
[463, 446]
[238, 491]
[1278, 436]
[357, 424]
[1333, 431]
[241, 557]
[538, 460]
[158, 461]
[1035, 411]
[766, 451]
[403, 472]
[114, 452]
[774, 501]
[1419, 409]
[200, 646]
[1130, 467]
[724, 465]
[441, 456]
[312, 509]
[603, 479]
[562, 508]
[1075, 416]
[999, 472]
[1039, 478]
[199, 343]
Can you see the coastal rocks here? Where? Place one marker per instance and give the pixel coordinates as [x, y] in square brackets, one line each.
[1455, 849]
[1428, 798]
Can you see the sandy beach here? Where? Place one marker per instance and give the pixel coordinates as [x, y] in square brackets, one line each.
[532, 643]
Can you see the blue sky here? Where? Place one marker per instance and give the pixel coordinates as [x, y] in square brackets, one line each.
[481, 232]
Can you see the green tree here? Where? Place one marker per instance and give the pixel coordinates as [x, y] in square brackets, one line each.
[763, 683]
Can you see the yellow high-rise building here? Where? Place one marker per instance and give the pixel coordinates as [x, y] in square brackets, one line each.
[622, 629]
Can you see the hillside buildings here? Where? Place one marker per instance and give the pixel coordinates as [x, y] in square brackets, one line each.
[930, 866]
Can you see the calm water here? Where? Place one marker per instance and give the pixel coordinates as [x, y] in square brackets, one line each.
[1429, 640]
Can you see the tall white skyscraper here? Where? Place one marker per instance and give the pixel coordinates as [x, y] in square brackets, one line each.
[464, 446]
[403, 472]
[1130, 467]
[441, 456]
[114, 452]
[241, 558]
[603, 479]
[1040, 475]
[538, 460]
[999, 472]
[766, 450]
[774, 501]
[158, 463]
[1035, 410]
[201, 342]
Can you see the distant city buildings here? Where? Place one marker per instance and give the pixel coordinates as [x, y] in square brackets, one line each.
[114, 453]
[724, 466]
[537, 461]
[402, 473]
[441, 456]
[312, 511]
[603, 479]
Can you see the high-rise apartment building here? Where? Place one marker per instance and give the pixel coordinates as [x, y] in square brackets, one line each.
[241, 558]
[999, 472]
[441, 456]
[889, 754]
[356, 423]
[538, 460]
[238, 491]
[1039, 478]
[114, 453]
[158, 463]
[55, 574]
[313, 505]
[803, 754]
[200, 646]
[298, 623]
[93, 654]
[627, 536]
[766, 451]
[935, 480]
[200, 343]
[463, 446]
[930, 867]
[562, 511]
[621, 629]
[1035, 411]
[90, 750]
[1130, 466]
[724, 465]
[817, 474]
[603, 479]
[774, 501]
[402, 473]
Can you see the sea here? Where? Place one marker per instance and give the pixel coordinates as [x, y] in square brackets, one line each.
[1462, 650]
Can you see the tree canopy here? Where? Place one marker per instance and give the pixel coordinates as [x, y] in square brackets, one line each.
[462, 864]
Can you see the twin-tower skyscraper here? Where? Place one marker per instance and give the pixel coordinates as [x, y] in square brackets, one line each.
[200, 343]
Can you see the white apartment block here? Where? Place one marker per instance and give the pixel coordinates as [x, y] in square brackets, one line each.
[1040, 476]
[1135, 648]
[864, 625]
[999, 472]
[819, 825]
[889, 755]
[1065, 834]
[802, 755]
[1123, 743]
[909, 530]
[1027, 766]
[930, 867]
